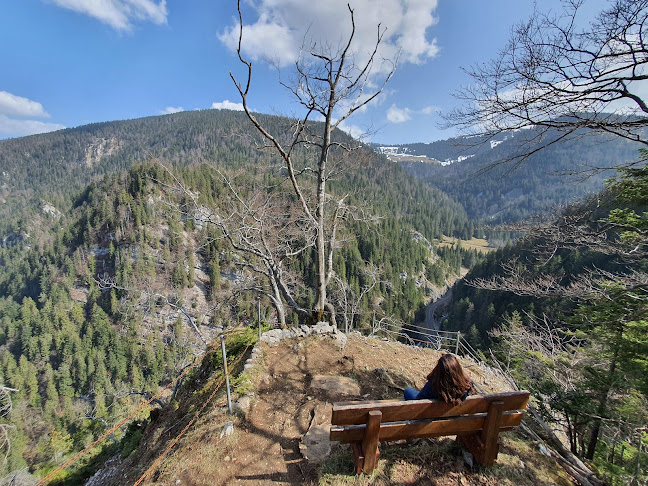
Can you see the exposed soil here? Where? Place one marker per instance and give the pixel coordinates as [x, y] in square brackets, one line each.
[264, 448]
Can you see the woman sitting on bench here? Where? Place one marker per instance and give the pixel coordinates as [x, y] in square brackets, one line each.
[446, 382]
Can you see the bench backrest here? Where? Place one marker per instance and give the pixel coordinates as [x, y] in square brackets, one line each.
[424, 418]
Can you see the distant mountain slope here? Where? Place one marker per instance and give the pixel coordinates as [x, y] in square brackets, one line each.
[55, 165]
[78, 154]
[505, 193]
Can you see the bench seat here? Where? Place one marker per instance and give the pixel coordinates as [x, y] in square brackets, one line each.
[476, 422]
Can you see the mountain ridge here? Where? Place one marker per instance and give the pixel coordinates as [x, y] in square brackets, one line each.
[485, 175]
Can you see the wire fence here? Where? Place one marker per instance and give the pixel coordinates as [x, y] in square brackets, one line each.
[173, 442]
[449, 341]
[455, 342]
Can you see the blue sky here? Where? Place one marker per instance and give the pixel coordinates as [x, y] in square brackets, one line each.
[67, 63]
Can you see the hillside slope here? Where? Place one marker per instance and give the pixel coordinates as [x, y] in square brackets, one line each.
[265, 445]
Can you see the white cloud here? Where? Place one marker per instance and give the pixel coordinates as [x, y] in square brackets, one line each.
[428, 110]
[171, 109]
[227, 105]
[119, 14]
[354, 130]
[398, 115]
[13, 105]
[282, 26]
[10, 127]
[401, 115]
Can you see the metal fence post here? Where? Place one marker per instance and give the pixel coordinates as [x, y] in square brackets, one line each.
[457, 346]
[259, 316]
[227, 383]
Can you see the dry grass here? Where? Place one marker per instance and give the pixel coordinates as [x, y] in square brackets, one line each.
[479, 244]
[440, 462]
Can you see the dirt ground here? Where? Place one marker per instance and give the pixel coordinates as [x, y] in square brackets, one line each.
[264, 448]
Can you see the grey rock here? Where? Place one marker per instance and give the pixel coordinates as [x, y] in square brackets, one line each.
[323, 328]
[340, 340]
[468, 458]
[315, 445]
[272, 337]
[242, 405]
[109, 471]
[337, 385]
[228, 429]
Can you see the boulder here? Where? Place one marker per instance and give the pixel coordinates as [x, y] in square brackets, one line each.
[315, 445]
[228, 429]
[323, 328]
[336, 385]
[242, 405]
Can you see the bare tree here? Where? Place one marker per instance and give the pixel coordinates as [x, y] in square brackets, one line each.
[556, 76]
[561, 80]
[349, 301]
[263, 228]
[330, 86]
[268, 230]
[145, 300]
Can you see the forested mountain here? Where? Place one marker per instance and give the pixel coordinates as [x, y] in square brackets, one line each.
[56, 164]
[483, 174]
[114, 275]
[564, 310]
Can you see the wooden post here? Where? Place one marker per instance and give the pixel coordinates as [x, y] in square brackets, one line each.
[370, 441]
[358, 458]
[457, 346]
[490, 433]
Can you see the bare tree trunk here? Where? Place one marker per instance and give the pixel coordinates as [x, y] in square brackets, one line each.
[326, 79]
[591, 447]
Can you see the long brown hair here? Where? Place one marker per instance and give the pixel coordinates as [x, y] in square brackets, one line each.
[449, 380]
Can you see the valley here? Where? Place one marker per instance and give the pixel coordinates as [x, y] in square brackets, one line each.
[118, 274]
[218, 219]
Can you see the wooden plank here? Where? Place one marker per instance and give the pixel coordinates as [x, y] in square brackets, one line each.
[502, 396]
[350, 413]
[413, 429]
[490, 433]
[370, 441]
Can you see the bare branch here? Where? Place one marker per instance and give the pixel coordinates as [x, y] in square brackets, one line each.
[561, 82]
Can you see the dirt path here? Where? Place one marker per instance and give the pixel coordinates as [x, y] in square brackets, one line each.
[267, 443]
[264, 448]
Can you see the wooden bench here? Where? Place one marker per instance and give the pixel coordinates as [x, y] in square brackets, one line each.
[476, 422]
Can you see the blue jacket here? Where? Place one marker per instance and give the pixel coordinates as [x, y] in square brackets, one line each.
[429, 393]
